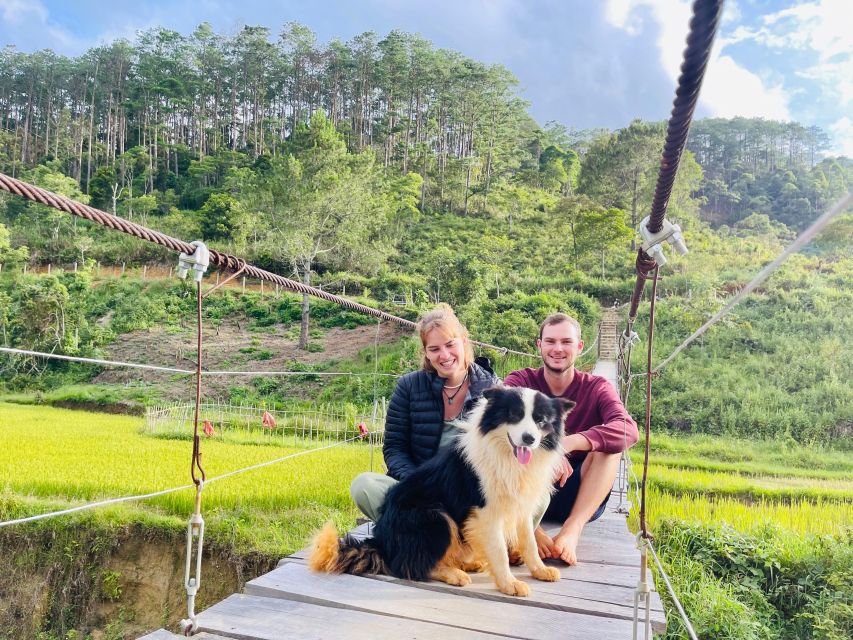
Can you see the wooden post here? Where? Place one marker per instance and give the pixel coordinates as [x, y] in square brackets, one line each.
[48, 268]
[122, 268]
[244, 283]
[98, 268]
[75, 266]
[170, 272]
[217, 277]
[262, 287]
[144, 271]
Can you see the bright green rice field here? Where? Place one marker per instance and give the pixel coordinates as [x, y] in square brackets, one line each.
[55, 458]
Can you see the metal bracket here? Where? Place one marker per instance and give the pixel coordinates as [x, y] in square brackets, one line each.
[198, 261]
[192, 579]
[653, 242]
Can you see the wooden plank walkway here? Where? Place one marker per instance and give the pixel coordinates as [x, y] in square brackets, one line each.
[594, 599]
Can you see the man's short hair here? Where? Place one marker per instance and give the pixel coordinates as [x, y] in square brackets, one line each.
[559, 318]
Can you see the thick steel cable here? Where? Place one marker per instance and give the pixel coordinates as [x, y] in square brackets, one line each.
[217, 258]
[762, 275]
[703, 28]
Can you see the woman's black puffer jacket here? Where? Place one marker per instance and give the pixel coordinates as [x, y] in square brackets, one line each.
[415, 417]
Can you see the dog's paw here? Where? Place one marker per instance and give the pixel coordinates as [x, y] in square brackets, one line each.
[474, 566]
[515, 588]
[546, 574]
[459, 578]
[452, 576]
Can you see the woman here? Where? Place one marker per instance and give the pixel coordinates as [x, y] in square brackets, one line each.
[426, 406]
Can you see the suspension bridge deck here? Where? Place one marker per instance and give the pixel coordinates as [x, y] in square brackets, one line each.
[593, 599]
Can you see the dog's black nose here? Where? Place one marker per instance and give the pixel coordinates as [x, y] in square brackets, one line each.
[528, 439]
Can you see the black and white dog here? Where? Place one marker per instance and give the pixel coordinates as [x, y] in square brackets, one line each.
[461, 510]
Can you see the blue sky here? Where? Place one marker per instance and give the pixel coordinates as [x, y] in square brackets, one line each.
[584, 63]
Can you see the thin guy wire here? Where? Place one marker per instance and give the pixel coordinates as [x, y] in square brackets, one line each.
[196, 459]
[132, 365]
[795, 246]
[114, 363]
[92, 505]
[671, 590]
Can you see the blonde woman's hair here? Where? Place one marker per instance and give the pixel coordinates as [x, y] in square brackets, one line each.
[445, 322]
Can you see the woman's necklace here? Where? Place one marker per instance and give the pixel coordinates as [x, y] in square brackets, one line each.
[458, 388]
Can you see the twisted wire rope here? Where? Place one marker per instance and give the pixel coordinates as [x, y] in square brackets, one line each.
[217, 258]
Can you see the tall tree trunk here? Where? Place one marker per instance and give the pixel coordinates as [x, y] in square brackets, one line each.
[634, 197]
[467, 186]
[91, 128]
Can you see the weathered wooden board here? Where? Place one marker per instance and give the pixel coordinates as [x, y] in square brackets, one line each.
[162, 634]
[412, 601]
[256, 618]
[575, 596]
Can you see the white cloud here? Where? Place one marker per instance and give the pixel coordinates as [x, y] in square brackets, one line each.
[672, 18]
[729, 89]
[25, 21]
[820, 28]
[842, 135]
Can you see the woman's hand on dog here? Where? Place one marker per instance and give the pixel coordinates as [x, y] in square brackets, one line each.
[564, 471]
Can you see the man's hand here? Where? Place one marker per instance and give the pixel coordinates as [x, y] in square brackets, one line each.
[564, 471]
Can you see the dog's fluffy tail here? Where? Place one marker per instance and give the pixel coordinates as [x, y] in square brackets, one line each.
[329, 554]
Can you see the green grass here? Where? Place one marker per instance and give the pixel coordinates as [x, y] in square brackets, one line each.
[745, 468]
[801, 516]
[714, 484]
[53, 457]
[784, 453]
[755, 536]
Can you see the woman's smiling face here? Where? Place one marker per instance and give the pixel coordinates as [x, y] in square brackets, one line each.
[445, 353]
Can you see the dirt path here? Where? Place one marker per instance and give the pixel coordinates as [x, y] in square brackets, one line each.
[231, 347]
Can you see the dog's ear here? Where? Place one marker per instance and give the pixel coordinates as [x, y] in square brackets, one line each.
[564, 405]
[493, 392]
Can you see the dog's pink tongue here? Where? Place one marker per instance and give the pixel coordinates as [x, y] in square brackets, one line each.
[523, 454]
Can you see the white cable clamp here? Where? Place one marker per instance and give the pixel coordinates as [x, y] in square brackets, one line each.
[629, 339]
[198, 261]
[653, 242]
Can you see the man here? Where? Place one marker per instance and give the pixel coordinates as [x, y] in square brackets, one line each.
[598, 430]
